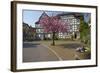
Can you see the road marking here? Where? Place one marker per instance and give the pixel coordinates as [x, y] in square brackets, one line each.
[53, 52]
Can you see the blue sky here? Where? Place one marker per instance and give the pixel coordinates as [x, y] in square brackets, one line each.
[32, 16]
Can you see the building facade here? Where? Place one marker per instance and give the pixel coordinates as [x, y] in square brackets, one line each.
[28, 32]
[40, 33]
[73, 21]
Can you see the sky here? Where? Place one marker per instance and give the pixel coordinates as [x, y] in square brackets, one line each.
[32, 16]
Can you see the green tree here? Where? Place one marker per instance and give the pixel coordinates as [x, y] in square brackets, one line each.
[84, 31]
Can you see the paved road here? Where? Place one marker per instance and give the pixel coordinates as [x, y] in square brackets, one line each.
[35, 52]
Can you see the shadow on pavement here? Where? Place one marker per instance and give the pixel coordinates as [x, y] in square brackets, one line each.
[30, 45]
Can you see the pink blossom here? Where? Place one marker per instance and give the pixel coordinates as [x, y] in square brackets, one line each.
[53, 24]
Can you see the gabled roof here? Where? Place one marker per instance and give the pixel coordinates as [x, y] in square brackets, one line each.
[42, 16]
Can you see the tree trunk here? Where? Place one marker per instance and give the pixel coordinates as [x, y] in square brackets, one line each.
[53, 37]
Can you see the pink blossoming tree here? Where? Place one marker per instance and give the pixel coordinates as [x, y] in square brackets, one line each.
[54, 25]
